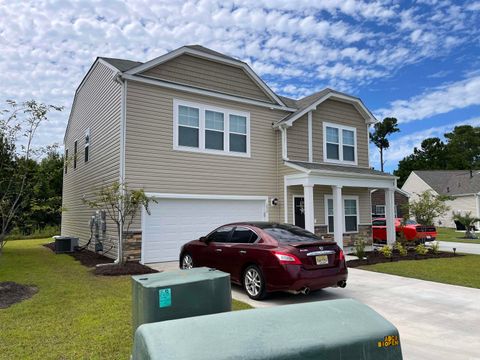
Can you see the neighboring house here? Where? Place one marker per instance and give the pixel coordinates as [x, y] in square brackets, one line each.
[463, 186]
[204, 135]
[378, 203]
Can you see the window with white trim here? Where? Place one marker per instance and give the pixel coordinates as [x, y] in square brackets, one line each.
[209, 129]
[340, 144]
[379, 209]
[350, 213]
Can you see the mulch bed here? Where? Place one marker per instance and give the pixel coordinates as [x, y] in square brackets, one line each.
[12, 293]
[375, 257]
[91, 259]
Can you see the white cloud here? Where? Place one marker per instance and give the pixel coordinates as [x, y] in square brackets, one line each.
[299, 46]
[457, 95]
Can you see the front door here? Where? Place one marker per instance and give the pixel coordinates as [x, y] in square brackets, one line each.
[299, 211]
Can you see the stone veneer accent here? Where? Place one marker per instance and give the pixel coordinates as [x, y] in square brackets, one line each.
[132, 248]
[364, 233]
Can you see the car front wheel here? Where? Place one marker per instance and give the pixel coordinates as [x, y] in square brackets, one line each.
[254, 283]
[187, 262]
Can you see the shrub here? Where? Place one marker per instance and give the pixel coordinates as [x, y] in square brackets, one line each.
[360, 249]
[402, 250]
[386, 251]
[421, 249]
[435, 247]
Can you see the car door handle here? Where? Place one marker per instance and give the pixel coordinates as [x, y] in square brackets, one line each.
[242, 252]
[218, 250]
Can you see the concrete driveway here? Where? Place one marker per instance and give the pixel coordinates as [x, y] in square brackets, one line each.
[436, 321]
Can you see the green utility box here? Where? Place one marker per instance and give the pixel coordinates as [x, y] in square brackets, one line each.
[326, 330]
[178, 294]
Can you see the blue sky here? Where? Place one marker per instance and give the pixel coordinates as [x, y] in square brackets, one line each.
[418, 60]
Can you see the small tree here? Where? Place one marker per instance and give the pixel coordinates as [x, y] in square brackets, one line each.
[427, 207]
[381, 130]
[122, 205]
[18, 127]
[468, 221]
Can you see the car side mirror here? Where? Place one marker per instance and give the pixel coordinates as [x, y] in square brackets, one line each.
[204, 239]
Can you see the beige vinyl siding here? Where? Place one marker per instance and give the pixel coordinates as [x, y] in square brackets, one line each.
[464, 204]
[97, 107]
[152, 164]
[319, 193]
[337, 112]
[297, 138]
[207, 74]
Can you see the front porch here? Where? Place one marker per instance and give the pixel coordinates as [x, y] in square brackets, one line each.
[335, 201]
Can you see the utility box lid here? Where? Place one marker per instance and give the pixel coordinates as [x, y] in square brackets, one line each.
[179, 294]
[178, 277]
[327, 330]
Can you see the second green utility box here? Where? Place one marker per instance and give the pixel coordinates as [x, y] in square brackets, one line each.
[179, 294]
[320, 330]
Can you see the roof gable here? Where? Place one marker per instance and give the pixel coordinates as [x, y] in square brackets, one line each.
[209, 55]
[311, 102]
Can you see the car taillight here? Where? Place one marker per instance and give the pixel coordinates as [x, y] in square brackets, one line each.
[287, 259]
[341, 255]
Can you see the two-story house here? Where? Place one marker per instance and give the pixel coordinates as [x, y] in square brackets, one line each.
[205, 136]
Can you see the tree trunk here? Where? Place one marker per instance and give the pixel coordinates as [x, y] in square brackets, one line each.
[381, 159]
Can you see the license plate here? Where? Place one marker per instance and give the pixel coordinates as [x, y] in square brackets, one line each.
[428, 237]
[321, 259]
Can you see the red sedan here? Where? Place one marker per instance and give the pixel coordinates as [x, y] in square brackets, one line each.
[413, 232]
[265, 257]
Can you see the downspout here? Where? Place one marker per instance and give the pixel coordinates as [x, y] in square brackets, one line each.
[121, 180]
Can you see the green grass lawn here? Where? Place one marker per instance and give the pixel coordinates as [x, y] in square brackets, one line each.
[75, 315]
[449, 234]
[461, 270]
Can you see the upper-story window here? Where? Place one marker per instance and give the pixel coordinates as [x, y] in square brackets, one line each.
[87, 144]
[208, 129]
[340, 144]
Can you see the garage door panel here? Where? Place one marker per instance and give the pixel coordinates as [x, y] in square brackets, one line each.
[173, 222]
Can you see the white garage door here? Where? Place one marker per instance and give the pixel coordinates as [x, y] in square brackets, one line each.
[173, 222]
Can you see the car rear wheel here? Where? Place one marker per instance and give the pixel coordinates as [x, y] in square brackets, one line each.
[254, 283]
[187, 261]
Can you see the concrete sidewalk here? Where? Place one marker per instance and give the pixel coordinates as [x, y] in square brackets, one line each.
[460, 247]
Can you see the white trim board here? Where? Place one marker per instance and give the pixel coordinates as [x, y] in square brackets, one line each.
[185, 50]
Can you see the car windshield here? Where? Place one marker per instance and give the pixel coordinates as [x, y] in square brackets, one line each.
[290, 234]
[410, 222]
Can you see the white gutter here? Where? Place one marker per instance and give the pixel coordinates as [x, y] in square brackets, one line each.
[121, 179]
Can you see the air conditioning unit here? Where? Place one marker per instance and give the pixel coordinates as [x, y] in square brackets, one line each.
[65, 244]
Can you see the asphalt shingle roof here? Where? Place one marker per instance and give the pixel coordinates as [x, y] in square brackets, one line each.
[451, 182]
[339, 168]
[121, 64]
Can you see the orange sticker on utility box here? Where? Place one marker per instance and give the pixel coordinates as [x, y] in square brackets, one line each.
[391, 340]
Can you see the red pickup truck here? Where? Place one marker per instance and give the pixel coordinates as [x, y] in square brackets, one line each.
[412, 231]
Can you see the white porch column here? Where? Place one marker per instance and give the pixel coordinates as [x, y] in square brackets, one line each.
[390, 215]
[337, 215]
[309, 209]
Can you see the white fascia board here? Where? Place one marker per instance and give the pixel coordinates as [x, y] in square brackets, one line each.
[204, 196]
[310, 179]
[184, 50]
[367, 115]
[194, 90]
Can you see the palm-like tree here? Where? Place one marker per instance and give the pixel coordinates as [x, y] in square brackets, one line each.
[468, 221]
